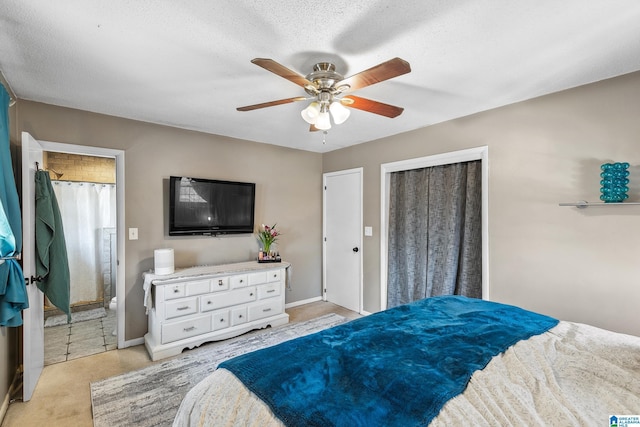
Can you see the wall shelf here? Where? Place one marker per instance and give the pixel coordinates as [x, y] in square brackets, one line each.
[582, 204]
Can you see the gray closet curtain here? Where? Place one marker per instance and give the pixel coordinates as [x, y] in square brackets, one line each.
[435, 233]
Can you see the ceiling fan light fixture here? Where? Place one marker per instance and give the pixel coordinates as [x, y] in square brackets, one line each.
[310, 114]
[339, 112]
[329, 91]
[323, 122]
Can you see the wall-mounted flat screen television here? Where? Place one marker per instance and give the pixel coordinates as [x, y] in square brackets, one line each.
[200, 206]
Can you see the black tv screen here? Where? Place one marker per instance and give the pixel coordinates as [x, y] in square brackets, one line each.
[199, 206]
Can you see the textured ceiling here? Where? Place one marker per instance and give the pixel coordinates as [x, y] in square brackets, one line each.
[187, 63]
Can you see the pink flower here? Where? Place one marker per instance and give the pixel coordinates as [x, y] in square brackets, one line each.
[268, 235]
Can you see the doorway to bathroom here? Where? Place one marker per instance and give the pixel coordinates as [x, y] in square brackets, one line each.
[85, 188]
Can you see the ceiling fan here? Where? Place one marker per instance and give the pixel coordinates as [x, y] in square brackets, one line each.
[329, 91]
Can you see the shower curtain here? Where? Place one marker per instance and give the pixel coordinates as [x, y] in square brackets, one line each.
[86, 209]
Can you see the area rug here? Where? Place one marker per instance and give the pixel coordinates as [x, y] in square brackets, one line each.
[151, 396]
[76, 317]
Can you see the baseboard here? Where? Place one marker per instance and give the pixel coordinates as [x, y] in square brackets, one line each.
[303, 302]
[15, 384]
[134, 342]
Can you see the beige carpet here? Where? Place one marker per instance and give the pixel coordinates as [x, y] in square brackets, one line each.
[151, 396]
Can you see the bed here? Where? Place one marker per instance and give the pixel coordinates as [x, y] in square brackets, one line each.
[441, 361]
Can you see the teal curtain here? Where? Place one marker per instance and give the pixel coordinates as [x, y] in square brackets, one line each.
[13, 292]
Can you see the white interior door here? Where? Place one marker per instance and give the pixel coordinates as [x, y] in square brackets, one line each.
[342, 247]
[33, 317]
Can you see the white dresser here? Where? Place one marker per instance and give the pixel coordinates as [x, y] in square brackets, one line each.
[200, 304]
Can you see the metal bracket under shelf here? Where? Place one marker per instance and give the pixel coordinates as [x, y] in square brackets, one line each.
[582, 204]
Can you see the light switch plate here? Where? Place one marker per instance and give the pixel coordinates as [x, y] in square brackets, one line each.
[368, 231]
[133, 234]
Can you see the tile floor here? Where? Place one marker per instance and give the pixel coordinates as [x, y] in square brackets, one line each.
[71, 341]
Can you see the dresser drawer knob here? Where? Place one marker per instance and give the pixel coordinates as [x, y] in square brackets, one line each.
[186, 307]
[209, 302]
[266, 309]
[189, 329]
[239, 316]
[220, 282]
[251, 294]
[270, 291]
[176, 290]
[221, 320]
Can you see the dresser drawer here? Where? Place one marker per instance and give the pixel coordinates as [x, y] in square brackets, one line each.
[185, 329]
[221, 320]
[274, 276]
[197, 287]
[269, 291]
[227, 299]
[270, 307]
[179, 290]
[257, 278]
[238, 281]
[239, 315]
[180, 308]
[219, 284]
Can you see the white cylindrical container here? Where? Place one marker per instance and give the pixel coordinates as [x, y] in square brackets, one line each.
[163, 261]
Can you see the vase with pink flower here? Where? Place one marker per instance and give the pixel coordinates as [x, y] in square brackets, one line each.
[267, 236]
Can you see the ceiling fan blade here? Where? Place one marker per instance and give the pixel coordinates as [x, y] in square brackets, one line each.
[371, 106]
[271, 103]
[387, 70]
[281, 70]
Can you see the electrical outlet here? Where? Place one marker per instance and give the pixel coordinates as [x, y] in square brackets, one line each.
[133, 234]
[368, 231]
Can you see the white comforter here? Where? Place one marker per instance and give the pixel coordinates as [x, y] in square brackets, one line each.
[572, 375]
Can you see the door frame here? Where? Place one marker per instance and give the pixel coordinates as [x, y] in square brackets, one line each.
[478, 153]
[120, 210]
[360, 172]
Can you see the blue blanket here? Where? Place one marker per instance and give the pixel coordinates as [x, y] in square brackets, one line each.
[394, 368]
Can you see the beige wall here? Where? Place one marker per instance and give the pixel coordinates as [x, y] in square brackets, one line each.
[288, 191]
[579, 265]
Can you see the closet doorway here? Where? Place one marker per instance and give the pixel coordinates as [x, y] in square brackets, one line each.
[453, 158]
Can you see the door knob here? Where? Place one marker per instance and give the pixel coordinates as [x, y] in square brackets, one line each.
[356, 249]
